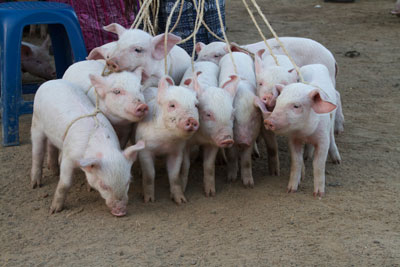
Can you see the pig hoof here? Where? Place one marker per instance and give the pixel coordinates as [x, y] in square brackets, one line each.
[35, 184]
[148, 199]
[291, 190]
[210, 193]
[55, 208]
[231, 178]
[318, 194]
[248, 183]
[179, 198]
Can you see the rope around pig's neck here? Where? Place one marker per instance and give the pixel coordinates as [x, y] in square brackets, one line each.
[96, 110]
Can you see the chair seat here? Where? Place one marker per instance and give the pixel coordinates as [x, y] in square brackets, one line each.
[68, 46]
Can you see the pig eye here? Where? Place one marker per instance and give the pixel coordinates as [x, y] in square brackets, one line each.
[260, 83]
[172, 105]
[116, 91]
[138, 50]
[296, 106]
[208, 115]
[197, 106]
[216, 55]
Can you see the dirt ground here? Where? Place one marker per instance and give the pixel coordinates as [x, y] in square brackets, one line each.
[355, 224]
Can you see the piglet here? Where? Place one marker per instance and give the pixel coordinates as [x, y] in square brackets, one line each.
[247, 119]
[36, 60]
[172, 119]
[270, 76]
[136, 48]
[89, 143]
[216, 119]
[306, 113]
[120, 94]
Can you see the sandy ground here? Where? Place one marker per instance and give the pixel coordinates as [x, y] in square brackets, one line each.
[355, 224]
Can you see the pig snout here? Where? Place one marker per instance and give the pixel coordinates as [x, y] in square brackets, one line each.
[190, 125]
[118, 208]
[269, 100]
[141, 110]
[112, 64]
[226, 141]
[270, 124]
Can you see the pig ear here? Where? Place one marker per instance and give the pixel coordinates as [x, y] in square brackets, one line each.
[46, 43]
[319, 105]
[293, 75]
[187, 82]
[231, 85]
[89, 164]
[258, 103]
[258, 61]
[234, 48]
[196, 84]
[115, 28]
[158, 44]
[164, 83]
[26, 51]
[130, 153]
[199, 46]
[279, 87]
[97, 53]
[100, 84]
[140, 73]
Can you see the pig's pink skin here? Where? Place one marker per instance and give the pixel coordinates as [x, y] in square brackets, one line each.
[93, 149]
[212, 52]
[169, 107]
[36, 60]
[247, 118]
[136, 48]
[302, 115]
[102, 52]
[216, 119]
[121, 98]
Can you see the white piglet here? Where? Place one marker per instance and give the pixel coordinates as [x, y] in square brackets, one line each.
[248, 119]
[136, 48]
[216, 119]
[120, 94]
[172, 119]
[89, 143]
[306, 113]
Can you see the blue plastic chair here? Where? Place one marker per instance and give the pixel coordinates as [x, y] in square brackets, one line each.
[68, 46]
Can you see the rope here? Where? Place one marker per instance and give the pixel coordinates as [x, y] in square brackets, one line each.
[226, 38]
[260, 32]
[277, 39]
[96, 110]
[166, 36]
[196, 29]
[179, 17]
[138, 20]
[197, 25]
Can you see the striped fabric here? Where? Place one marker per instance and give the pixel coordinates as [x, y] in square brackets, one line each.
[94, 14]
[187, 21]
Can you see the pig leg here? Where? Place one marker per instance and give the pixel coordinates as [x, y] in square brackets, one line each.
[320, 155]
[148, 174]
[38, 151]
[52, 158]
[245, 167]
[297, 163]
[174, 163]
[339, 119]
[272, 150]
[65, 183]
[210, 153]
[185, 167]
[233, 167]
[333, 150]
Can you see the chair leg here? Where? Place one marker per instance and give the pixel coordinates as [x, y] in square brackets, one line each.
[61, 48]
[10, 88]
